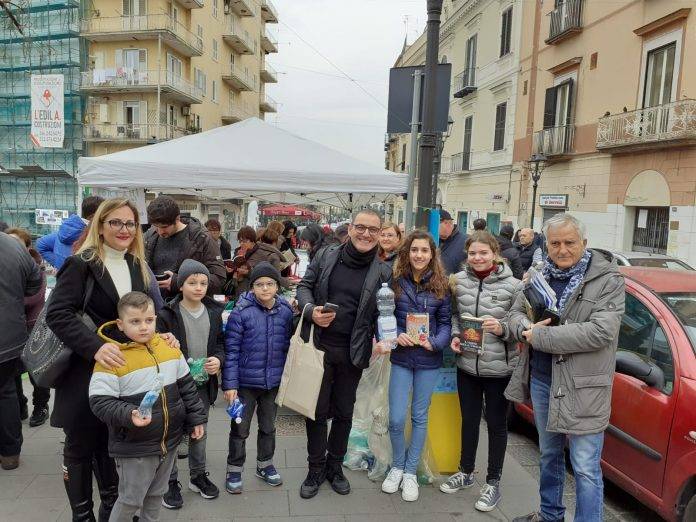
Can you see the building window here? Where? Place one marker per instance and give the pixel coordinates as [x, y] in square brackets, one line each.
[200, 80]
[215, 8]
[215, 49]
[215, 98]
[466, 151]
[659, 76]
[470, 66]
[558, 106]
[499, 137]
[506, 32]
[403, 157]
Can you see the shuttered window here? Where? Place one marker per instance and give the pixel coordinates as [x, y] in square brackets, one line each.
[499, 136]
[506, 31]
[466, 156]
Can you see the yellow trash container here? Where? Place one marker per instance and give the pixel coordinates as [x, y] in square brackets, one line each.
[445, 419]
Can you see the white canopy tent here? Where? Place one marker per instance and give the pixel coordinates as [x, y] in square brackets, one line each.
[250, 159]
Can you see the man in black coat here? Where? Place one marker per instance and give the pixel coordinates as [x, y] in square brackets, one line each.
[509, 252]
[452, 241]
[526, 247]
[21, 277]
[349, 276]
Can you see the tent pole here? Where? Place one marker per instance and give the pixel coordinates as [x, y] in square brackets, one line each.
[415, 123]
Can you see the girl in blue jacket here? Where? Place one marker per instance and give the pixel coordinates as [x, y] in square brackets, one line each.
[257, 338]
[421, 292]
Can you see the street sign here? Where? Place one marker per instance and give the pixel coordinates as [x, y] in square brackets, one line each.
[553, 200]
[401, 98]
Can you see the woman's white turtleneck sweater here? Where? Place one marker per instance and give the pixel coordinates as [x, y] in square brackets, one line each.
[115, 263]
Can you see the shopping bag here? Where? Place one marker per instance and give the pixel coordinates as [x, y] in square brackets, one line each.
[302, 375]
[45, 356]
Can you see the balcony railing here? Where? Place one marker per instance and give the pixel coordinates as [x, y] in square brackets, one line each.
[239, 79]
[663, 124]
[554, 141]
[268, 74]
[456, 163]
[269, 41]
[132, 132]
[242, 7]
[269, 12]
[566, 19]
[144, 27]
[268, 104]
[237, 112]
[134, 80]
[465, 82]
[237, 37]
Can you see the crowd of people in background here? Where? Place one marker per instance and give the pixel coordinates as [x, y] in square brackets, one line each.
[151, 292]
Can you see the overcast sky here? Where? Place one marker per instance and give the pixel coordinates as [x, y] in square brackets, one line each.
[362, 38]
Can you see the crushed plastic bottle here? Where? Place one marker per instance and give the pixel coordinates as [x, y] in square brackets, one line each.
[198, 373]
[386, 323]
[145, 408]
[235, 410]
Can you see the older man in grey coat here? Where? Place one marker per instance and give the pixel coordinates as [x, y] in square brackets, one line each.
[571, 367]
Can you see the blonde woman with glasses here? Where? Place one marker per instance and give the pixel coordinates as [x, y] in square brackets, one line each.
[109, 264]
[389, 242]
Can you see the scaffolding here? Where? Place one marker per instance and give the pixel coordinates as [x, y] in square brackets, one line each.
[32, 177]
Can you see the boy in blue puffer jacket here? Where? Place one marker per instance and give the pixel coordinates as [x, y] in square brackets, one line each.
[257, 338]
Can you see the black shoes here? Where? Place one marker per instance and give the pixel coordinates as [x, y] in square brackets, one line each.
[310, 487]
[172, 499]
[339, 482]
[38, 417]
[202, 485]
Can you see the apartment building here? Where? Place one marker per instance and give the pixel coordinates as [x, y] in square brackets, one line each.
[480, 39]
[160, 69]
[605, 94]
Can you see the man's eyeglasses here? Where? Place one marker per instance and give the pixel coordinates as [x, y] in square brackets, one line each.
[361, 229]
[264, 286]
[117, 225]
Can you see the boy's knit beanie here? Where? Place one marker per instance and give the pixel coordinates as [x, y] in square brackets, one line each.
[188, 268]
[264, 269]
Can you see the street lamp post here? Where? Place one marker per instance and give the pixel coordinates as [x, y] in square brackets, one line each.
[437, 160]
[535, 165]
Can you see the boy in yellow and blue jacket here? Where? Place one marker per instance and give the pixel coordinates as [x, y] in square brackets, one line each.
[144, 447]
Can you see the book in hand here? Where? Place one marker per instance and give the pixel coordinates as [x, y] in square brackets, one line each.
[471, 334]
[418, 328]
[288, 260]
[236, 262]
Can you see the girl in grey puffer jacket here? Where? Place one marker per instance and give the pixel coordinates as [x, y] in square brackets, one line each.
[485, 289]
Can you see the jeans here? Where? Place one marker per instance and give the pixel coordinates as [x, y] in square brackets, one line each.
[264, 401]
[40, 396]
[472, 389]
[143, 483]
[196, 452]
[585, 455]
[336, 401]
[401, 381]
[10, 424]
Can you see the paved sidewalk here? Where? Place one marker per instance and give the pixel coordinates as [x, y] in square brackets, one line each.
[34, 491]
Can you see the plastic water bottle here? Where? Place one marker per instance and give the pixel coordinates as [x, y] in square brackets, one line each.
[145, 408]
[235, 410]
[198, 373]
[386, 323]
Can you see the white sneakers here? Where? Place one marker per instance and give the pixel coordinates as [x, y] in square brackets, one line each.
[392, 483]
[398, 479]
[409, 488]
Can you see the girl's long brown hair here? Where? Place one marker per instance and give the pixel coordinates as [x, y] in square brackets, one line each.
[438, 283]
[93, 246]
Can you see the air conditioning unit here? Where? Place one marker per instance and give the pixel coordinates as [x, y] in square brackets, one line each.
[186, 110]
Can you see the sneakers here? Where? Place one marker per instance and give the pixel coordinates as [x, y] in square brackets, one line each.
[172, 498]
[339, 482]
[201, 484]
[183, 449]
[310, 486]
[409, 488]
[38, 416]
[269, 475]
[490, 496]
[532, 517]
[8, 463]
[457, 481]
[233, 482]
[392, 483]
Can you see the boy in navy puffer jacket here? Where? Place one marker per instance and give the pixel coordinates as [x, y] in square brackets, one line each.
[257, 338]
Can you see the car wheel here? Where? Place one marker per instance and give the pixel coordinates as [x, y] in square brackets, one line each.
[690, 510]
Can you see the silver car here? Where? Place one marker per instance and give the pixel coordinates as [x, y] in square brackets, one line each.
[647, 259]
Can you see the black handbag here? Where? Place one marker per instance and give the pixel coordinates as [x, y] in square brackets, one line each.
[45, 356]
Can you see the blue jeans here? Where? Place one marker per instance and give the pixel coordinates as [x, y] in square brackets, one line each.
[585, 455]
[401, 382]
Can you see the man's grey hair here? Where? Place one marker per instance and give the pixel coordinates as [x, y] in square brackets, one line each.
[565, 219]
[369, 212]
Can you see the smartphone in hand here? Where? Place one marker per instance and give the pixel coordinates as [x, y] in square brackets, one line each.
[329, 307]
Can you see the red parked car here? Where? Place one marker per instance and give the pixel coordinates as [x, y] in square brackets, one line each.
[650, 444]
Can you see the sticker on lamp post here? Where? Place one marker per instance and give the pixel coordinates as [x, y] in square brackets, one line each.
[47, 110]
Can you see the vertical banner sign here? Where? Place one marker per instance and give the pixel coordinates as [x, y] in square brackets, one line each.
[47, 111]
